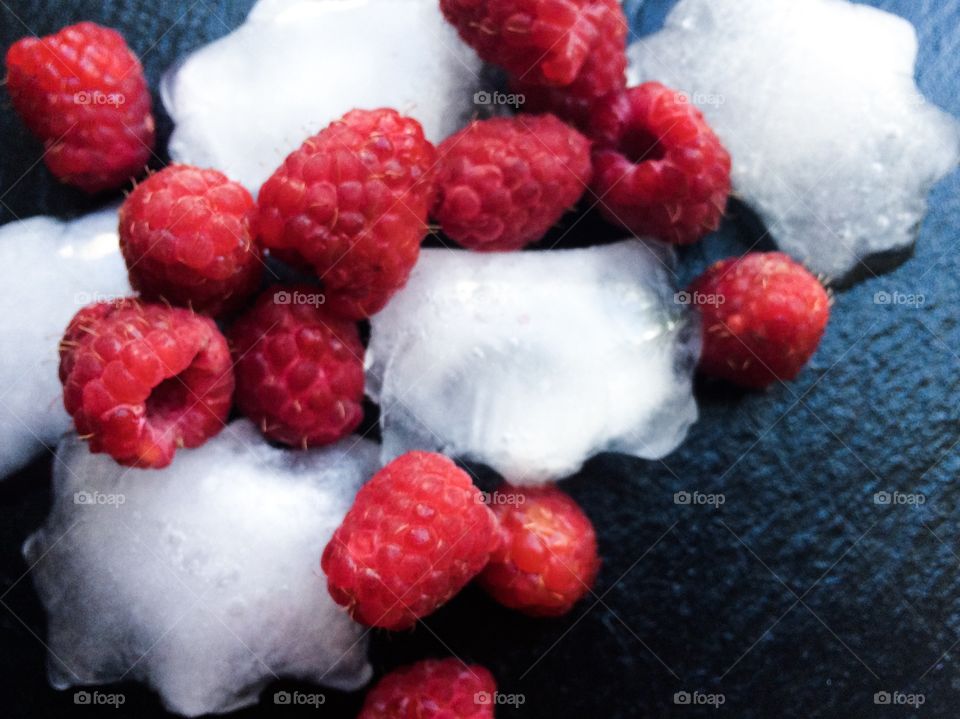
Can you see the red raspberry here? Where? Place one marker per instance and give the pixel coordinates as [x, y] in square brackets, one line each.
[142, 380]
[763, 318]
[352, 203]
[433, 689]
[504, 182]
[553, 43]
[299, 368]
[418, 531]
[83, 93]
[659, 170]
[603, 73]
[186, 236]
[547, 559]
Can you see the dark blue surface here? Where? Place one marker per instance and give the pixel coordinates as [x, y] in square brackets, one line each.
[800, 597]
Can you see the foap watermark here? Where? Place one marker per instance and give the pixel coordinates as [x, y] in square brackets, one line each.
[910, 300]
[314, 299]
[299, 699]
[701, 99]
[699, 499]
[699, 699]
[901, 699]
[501, 498]
[82, 299]
[100, 499]
[510, 99]
[100, 699]
[95, 97]
[909, 499]
[699, 299]
[499, 699]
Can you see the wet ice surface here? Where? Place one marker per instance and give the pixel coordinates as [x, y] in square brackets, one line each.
[531, 362]
[48, 271]
[247, 100]
[833, 144]
[203, 579]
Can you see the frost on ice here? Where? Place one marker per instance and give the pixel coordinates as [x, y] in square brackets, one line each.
[246, 101]
[833, 144]
[48, 270]
[203, 579]
[531, 362]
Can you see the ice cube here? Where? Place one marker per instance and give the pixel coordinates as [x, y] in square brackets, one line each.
[202, 579]
[48, 270]
[531, 362]
[833, 144]
[244, 102]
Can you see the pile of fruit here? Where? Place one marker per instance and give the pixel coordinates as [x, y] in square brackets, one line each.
[146, 376]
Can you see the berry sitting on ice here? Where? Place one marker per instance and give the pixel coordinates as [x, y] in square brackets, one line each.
[418, 531]
[763, 317]
[659, 170]
[577, 44]
[299, 368]
[142, 380]
[603, 72]
[433, 688]
[186, 237]
[547, 559]
[83, 93]
[503, 183]
[352, 203]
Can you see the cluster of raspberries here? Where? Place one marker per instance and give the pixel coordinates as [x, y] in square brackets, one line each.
[146, 376]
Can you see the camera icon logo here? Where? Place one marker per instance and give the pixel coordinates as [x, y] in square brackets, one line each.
[281, 698]
[83, 497]
[881, 498]
[682, 498]
[682, 698]
[482, 97]
[881, 698]
[81, 697]
[281, 298]
[482, 698]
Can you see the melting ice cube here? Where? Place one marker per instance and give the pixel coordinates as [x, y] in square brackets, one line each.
[531, 362]
[201, 579]
[48, 270]
[244, 102]
[833, 144]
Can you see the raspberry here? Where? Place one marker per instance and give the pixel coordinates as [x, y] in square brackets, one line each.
[433, 689]
[186, 236]
[352, 203]
[83, 93]
[763, 318]
[418, 531]
[142, 380]
[603, 73]
[547, 559]
[659, 170]
[504, 182]
[555, 43]
[299, 368]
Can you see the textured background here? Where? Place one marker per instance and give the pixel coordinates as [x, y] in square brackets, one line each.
[798, 597]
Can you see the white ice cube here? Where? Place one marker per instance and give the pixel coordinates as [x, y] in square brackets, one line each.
[531, 362]
[833, 144]
[202, 579]
[244, 102]
[48, 270]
